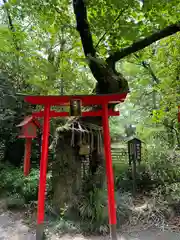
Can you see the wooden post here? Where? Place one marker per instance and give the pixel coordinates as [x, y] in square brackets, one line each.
[109, 174]
[27, 156]
[42, 179]
[134, 177]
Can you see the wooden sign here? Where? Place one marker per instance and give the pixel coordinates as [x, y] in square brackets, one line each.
[75, 107]
[134, 150]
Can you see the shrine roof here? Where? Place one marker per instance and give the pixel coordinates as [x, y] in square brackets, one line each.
[27, 120]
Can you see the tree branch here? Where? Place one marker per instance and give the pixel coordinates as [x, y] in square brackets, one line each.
[101, 38]
[83, 27]
[11, 26]
[148, 67]
[141, 44]
[97, 66]
[9, 18]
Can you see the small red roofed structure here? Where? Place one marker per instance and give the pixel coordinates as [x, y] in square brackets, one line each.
[29, 127]
[28, 131]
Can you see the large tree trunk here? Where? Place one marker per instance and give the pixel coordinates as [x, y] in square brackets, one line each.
[69, 180]
[66, 173]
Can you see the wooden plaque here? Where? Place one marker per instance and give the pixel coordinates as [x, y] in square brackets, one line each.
[75, 107]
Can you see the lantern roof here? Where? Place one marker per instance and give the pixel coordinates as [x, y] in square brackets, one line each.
[135, 140]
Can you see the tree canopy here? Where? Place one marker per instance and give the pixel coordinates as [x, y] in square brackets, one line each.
[41, 50]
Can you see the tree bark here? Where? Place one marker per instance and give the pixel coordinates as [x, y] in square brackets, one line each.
[108, 80]
[141, 44]
[66, 173]
[68, 181]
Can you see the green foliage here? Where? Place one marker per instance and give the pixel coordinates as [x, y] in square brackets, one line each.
[7, 101]
[43, 50]
[159, 167]
[65, 226]
[164, 166]
[172, 192]
[15, 201]
[15, 184]
[92, 211]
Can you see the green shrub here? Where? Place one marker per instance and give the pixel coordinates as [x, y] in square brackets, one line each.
[65, 226]
[92, 211]
[159, 166]
[172, 192]
[163, 164]
[123, 177]
[11, 179]
[123, 203]
[120, 172]
[15, 201]
[14, 182]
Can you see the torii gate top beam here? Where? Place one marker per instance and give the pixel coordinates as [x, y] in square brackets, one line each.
[85, 99]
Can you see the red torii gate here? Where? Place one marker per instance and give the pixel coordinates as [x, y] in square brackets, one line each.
[47, 102]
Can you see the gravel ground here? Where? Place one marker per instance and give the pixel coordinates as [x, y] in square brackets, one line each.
[13, 228]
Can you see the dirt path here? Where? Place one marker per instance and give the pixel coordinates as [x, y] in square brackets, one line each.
[13, 228]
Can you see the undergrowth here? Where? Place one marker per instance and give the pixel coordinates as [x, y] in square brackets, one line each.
[18, 187]
[157, 203]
